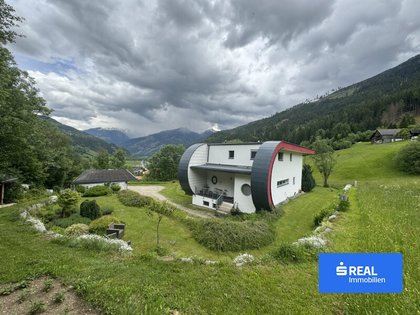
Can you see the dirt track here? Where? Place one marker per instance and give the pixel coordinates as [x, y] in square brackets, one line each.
[154, 192]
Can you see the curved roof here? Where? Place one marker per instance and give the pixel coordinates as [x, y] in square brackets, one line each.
[183, 168]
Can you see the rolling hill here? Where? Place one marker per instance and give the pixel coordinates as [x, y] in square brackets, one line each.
[378, 101]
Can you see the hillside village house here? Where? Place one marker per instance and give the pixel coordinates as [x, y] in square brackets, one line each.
[247, 176]
[385, 136]
[92, 178]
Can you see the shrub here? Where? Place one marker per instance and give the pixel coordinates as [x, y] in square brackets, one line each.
[343, 205]
[77, 229]
[296, 253]
[73, 219]
[320, 216]
[408, 158]
[220, 235]
[90, 209]
[67, 200]
[46, 214]
[57, 229]
[133, 199]
[97, 191]
[13, 192]
[289, 253]
[80, 189]
[115, 187]
[106, 210]
[308, 181]
[99, 226]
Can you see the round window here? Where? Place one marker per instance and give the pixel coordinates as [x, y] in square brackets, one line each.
[246, 189]
[214, 180]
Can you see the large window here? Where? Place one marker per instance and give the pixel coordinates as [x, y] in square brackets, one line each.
[231, 154]
[280, 156]
[282, 182]
[253, 154]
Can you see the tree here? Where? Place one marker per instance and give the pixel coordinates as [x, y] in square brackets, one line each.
[68, 200]
[31, 149]
[164, 164]
[162, 209]
[308, 181]
[102, 160]
[118, 158]
[408, 158]
[324, 158]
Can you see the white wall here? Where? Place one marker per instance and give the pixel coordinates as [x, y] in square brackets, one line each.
[199, 201]
[219, 154]
[245, 203]
[123, 185]
[286, 170]
[196, 178]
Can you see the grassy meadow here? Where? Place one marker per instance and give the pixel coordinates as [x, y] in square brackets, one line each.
[384, 217]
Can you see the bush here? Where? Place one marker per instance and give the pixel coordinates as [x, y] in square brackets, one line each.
[408, 158]
[343, 205]
[73, 219]
[320, 216]
[46, 214]
[80, 189]
[68, 200]
[97, 191]
[13, 192]
[106, 210]
[90, 209]
[77, 229]
[133, 199]
[296, 253]
[308, 181]
[115, 187]
[99, 226]
[221, 235]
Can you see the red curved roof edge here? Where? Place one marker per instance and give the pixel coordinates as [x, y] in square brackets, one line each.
[295, 148]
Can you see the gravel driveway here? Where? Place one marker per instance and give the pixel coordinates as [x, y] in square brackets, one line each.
[154, 192]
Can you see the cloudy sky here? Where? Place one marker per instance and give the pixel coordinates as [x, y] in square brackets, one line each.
[146, 66]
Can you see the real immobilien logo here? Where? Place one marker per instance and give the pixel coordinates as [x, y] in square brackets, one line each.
[360, 273]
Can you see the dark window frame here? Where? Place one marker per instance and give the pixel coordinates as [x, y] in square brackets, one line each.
[280, 156]
[253, 154]
[231, 154]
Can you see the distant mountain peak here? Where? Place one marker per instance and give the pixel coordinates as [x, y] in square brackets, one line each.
[110, 135]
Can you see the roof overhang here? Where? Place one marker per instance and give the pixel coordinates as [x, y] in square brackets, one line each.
[234, 169]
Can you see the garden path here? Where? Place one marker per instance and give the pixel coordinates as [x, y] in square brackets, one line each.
[154, 192]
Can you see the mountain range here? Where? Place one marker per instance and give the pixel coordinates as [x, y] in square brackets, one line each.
[380, 101]
[148, 145]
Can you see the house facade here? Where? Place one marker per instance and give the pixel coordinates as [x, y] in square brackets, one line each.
[91, 178]
[246, 176]
[385, 136]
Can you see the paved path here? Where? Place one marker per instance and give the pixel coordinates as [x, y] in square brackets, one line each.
[154, 192]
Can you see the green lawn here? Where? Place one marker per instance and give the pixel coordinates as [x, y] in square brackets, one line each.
[384, 217]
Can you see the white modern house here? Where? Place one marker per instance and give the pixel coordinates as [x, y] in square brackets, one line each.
[91, 178]
[247, 176]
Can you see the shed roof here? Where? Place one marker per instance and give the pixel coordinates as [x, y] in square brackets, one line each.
[388, 132]
[236, 169]
[104, 176]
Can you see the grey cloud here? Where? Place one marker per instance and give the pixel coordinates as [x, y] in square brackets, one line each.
[278, 21]
[153, 65]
